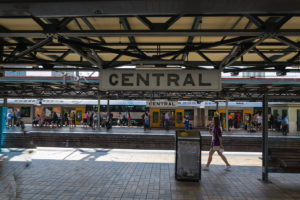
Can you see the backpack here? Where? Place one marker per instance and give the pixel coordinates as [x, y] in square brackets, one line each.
[146, 120]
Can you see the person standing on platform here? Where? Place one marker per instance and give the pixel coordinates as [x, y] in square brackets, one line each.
[91, 119]
[285, 125]
[95, 120]
[85, 118]
[167, 118]
[259, 122]
[230, 122]
[216, 144]
[54, 120]
[70, 119]
[186, 122]
[128, 119]
[123, 119]
[9, 119]
[104, 118]
[73, 120]
[278, 121]
[146, 121]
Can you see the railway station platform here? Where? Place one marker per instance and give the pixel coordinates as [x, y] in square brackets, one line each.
[134, 138]
[92, 173]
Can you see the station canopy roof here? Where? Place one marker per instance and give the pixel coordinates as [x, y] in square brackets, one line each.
[245, 89]
[233, 36]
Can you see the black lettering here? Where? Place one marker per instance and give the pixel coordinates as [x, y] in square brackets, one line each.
[125, 79]
[200, 81]
[113, 83]
[139, 78]
[188, 80]
[173, 78]
[158, 78]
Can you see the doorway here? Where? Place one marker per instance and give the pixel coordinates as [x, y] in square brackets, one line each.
[171, 116]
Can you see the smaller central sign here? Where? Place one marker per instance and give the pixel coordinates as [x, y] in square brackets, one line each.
[165, 80]
[161, 103]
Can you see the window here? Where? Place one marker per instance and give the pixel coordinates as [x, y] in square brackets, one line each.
[284, 113]
[275, 113]
[155, 117]
[190, 113]
[25, 111]
[211, 114]
[179, 118]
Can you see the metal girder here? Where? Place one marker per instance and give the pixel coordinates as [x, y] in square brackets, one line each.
[255, 20]
[99, 47]
[129, 63]
[82, 53]
[206, 46]
[243, 52]
[196, 23]
[146, 22]
[288, 42]
[206, 58]
[33, 48]
[87, 22]
[63, 55]
[234, 25]
[262, 55]
[118, 33]
[125, 24]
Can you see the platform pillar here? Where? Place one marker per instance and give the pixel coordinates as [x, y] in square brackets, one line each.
[3, 113]
[107, 108]
[226, 116]
[265, 139]
[4, 101]
[98, 112]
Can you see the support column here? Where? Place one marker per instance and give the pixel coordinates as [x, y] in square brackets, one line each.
[98, 112]
[3, 114]
[4, 101]
[226, 116]
[217, 107]
[107, 108]
[265, 139]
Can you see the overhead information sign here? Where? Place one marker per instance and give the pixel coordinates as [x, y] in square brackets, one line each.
[161, 80]
[161, 103]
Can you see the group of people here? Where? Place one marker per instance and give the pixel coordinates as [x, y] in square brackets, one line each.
[90, 119]
[166, 121]
[254, 122]
[13, 118]
[53, 120]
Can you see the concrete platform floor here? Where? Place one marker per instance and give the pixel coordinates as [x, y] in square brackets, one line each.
[86, 174]
[129, 130]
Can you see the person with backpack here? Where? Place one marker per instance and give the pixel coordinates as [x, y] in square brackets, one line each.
[216, 144]
[146, 121]
[95, 120]
[285, 125]
[9, 118]
[186, 122]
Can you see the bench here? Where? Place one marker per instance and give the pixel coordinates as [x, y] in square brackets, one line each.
[284, 160]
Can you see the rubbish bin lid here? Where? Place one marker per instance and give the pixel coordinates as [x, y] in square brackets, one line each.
[188, 134]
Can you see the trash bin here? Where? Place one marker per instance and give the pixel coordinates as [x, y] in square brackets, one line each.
[188, 155]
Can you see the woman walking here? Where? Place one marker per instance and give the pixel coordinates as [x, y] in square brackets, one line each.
[216, 144]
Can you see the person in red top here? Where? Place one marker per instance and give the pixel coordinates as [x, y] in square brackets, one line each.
[85, 117]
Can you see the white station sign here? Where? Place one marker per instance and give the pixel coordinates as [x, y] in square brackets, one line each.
[156, 80]
[160, 103]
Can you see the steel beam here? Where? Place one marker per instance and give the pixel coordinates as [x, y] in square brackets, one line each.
[265, 155]
[33, 48]
[124, 33]
[243, 52]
